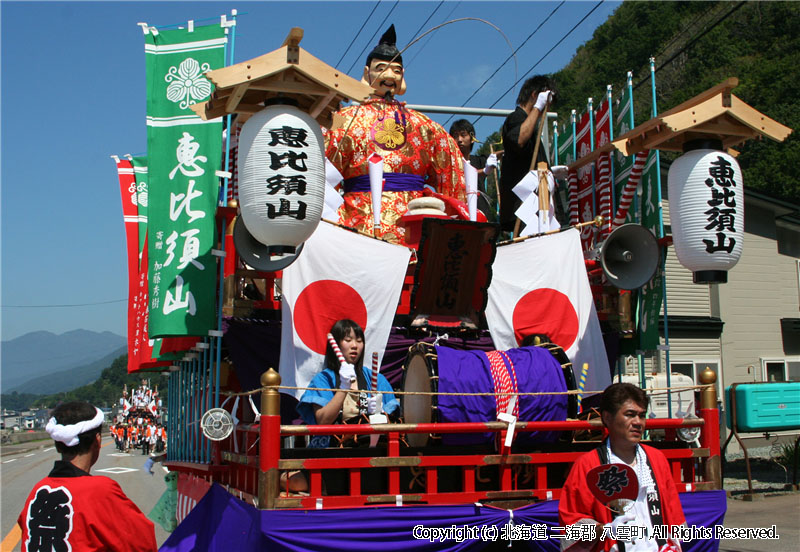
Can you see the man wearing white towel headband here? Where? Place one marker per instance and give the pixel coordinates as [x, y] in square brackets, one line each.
[73, 510]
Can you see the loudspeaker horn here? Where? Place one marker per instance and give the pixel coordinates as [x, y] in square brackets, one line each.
[262, 257]
[629, 256]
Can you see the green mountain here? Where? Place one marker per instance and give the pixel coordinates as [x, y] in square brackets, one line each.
[66, 380]
[104, 391]
[697, 45]
[39, 354]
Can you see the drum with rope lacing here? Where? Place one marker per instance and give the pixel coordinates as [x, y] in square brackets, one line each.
[447, 385]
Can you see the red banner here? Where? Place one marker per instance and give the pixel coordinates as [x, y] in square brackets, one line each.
[130, 214]
[602, 135]
[585, 210]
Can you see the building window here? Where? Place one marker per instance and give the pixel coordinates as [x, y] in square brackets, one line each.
[693, 368]
[781, 369]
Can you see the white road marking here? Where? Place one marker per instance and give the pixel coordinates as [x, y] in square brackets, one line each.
[49, 449]
[12, 460]
[119, 454]
[29, 455]
[117, 470]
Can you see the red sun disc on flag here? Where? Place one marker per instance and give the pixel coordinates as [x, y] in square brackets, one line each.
[320, 305]
[546, 311]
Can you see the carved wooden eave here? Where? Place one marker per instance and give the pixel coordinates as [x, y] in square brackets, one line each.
[715, 114]
[289, 71]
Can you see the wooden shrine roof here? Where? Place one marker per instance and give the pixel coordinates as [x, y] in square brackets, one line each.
[288, 71]
[713, 114]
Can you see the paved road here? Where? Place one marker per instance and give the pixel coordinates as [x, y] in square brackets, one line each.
[22, 466]
[782, 511]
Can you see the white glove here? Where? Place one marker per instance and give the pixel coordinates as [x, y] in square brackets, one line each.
[372, 405]
[544, 98]
[619, 520]
[491, 161]
[347, 373]
[560, 172]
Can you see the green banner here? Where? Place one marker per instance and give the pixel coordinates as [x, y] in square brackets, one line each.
[184, 154]
[652, 291]
[565, 140]
[140, 172]
[623, 122]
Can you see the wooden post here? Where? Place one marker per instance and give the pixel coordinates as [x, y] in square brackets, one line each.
[709, 437]
[539, 130]
[269, 444]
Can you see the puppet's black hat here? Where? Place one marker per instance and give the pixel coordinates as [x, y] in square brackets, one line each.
[386, 49]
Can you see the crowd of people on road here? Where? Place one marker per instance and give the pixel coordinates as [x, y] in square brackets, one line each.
[138, 425]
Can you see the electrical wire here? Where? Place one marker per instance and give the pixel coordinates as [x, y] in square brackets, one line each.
[563, 38]
[426, 21]
[690, 44]
[446, 17]
[369, 42]
[358, 33]
[508, 58]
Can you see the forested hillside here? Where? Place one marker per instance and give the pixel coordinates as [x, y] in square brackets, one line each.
[103, 392]
[697, 45]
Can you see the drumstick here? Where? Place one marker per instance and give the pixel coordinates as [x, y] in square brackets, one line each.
[375, 372]
[335, 347]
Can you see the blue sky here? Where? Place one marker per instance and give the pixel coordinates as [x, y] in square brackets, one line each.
[73, 93]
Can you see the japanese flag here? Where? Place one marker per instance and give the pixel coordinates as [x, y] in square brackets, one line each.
[540, 286]
[339, 274]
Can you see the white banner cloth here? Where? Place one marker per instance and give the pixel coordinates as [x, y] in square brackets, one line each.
[540, 286]
[527, 190]
[333, 199]
[339, 274]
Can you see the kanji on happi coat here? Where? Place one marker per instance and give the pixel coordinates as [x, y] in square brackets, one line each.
[415, 150]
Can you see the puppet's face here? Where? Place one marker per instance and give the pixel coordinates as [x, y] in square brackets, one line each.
[627, 424]
[385, 77]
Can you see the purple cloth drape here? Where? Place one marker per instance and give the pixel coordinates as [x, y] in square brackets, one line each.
[468, 372]
[223, 522]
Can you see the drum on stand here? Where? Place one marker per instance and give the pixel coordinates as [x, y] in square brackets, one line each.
[448, 385]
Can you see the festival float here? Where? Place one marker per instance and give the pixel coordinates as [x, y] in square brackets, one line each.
[495, 350]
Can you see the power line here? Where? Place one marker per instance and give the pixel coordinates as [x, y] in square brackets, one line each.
[690, 44]
[61, 306]
[426, 21]
[508, 58]
[373, 36]
[358, 33]
[563, 38]
[446, 17]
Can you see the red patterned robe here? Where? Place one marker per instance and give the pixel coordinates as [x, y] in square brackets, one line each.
[413, 146]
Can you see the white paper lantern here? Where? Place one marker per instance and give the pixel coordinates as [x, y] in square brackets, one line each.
[282, 175]
[706, 201]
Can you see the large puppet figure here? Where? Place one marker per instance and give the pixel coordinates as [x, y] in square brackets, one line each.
[415, 150]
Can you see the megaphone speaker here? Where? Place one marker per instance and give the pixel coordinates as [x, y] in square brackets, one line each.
[629, 256]
[259, 256]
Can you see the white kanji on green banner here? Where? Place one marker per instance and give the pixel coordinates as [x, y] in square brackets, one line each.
[184, 155]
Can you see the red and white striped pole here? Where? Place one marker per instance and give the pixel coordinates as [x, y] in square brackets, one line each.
[375, 369]
[335, 347]
[630, 188]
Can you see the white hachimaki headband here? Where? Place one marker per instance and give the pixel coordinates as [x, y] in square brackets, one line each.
[68, 434]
